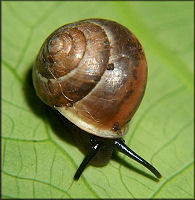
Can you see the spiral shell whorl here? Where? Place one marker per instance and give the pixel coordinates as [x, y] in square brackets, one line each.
[94, 72]
[71, 72]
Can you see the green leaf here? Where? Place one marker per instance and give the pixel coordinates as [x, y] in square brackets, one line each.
[39, 154]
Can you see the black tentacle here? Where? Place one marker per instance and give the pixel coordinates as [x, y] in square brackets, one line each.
[92, 152]
[123, 148]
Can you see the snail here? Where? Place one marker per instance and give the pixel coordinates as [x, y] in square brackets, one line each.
[94, 73]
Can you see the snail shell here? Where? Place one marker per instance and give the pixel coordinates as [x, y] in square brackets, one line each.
[94, 73]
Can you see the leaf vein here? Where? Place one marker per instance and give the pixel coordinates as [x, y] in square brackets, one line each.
[38, 181]
[168, 180]
[8, 66]
[24, 140]
[170, 140]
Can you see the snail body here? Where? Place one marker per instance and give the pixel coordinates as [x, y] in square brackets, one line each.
[94, 73]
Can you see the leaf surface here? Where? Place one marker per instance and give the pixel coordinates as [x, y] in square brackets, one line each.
[40, 157]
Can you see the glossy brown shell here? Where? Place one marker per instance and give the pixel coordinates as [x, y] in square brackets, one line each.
[94, 72]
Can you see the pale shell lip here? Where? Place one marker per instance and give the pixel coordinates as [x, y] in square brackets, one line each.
[67, 113]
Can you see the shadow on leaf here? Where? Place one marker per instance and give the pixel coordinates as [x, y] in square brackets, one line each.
[60, 125]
